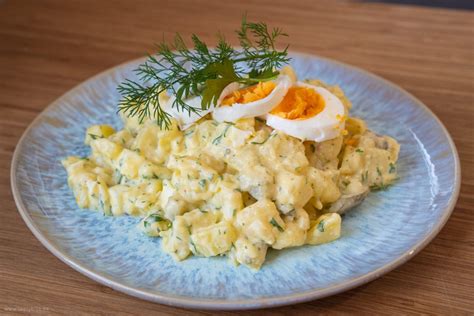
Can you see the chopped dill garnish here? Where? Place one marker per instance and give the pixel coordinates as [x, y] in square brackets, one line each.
[379, 187]
[201, 71]
[155, 218]
[275, 224]
[379, 172]
[391, 168]
[94, 137]
[188, 132]
[194, 250]
[320, 226]
[152, 177]
[218, 139]
[364, 176]
[264, 141]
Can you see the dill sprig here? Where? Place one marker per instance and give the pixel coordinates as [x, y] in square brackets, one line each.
[200, 71]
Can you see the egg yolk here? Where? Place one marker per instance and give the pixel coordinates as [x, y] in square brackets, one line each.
[299, 103]
[249, 94]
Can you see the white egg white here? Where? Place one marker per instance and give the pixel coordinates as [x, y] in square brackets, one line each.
[327, 124]
[252, 109]
[186, 118]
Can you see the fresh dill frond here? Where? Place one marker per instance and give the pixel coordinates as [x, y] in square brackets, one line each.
[258, 44]
[201, 71]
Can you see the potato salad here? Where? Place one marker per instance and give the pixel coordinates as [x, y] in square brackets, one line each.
[272, 165]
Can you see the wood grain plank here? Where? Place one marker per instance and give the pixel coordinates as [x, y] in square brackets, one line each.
[50, 46]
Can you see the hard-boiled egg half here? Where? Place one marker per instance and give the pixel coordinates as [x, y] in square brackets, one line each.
[297, 109]
[308, 112]
[236, 102]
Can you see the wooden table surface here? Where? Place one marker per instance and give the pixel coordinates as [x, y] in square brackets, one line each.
[47, 47]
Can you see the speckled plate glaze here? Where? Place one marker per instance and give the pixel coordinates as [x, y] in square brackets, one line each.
[379, 235]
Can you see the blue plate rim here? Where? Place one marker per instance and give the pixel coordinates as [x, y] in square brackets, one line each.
[208, 304]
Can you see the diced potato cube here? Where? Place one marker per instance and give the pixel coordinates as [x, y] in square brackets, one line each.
[260, 222]
[355, 126]
[146, 141]
[325, 229]
[257, 180]
[371, 166]
[295, 231]
[75, 165]
[292, 191]
[176, 239]
[324, 155]
[90, 191]
[132, 123]
[246, 124]
[98, 131]
[107, 149]
[193, 178]
[324, 184]
[249, 253]
[280, 151]
[123, 138]
[69, 161]
[170, 201]
[213, 240]
[129, 202]
[154, 224]
[200, 218]
[168, 141]
[117, 195]
[128, 163]
[352, 160]
[79, 185]
[228, 200]
[135, 200]
[150, 171]
[235, 137]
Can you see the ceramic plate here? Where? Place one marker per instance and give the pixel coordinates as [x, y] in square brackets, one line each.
[386, 230]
